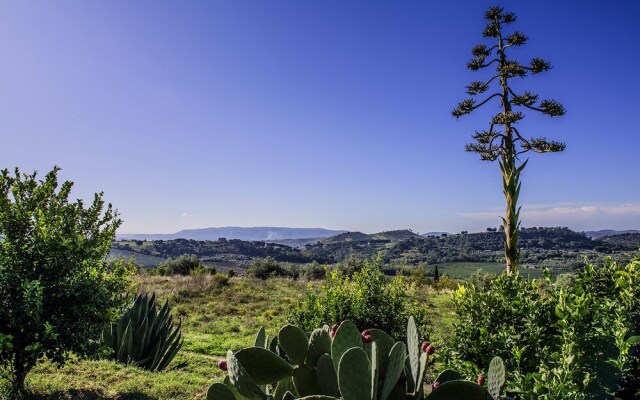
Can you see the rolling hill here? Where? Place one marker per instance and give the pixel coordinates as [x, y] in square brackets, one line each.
[235, 232]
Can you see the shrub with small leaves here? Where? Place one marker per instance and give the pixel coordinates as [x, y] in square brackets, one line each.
[367, 297]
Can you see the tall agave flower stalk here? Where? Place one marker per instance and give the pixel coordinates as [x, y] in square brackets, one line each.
[503, 141]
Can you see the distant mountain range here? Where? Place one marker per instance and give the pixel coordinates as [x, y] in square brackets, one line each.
[235, 232]
[294, 235]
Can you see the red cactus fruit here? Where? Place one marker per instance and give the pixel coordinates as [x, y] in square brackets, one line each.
[424, 346]
[430, 349]
[222, 364]
[481, 379]
[366, 336]
[436, 385]
[334, 328]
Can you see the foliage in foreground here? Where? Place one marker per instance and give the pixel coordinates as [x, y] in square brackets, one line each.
[503, 141]
[341, 362]
[56, 293]
[577, 340]
[145, 335]
[367, 298]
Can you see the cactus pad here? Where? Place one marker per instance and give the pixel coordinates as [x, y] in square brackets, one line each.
[294, 342]
[496, 377]
[261, 338]
[327, 378]
[394, 369]
[413, 347]
[305, 381]
[319, 344]
[284, 386]
[448, 375]
[458, 390]
[241, 379]
[263, 366]
[346, 337]
[219, 391]
[384, 342]
[354, 375]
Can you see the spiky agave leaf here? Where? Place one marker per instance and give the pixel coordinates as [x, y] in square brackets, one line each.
[144, 336]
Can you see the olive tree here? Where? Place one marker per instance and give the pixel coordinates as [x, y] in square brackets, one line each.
[503, 141]
[56, 291]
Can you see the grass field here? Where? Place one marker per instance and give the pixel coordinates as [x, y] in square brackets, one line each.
[462, 270]
[215, 319]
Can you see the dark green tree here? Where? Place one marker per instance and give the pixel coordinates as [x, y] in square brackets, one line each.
[503, 141]
[56, 290]
[436, 274]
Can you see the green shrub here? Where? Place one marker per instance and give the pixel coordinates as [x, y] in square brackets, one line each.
[445, 282]
[569, 342]
[367, 298]
[220, 280]
[265, 269]
[313, 272]
[144, 336]
[56, 291]
[183, 265]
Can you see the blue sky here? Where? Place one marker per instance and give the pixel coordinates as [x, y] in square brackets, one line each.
[330, 114]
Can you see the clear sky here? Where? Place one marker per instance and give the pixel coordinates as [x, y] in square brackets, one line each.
[333, 114]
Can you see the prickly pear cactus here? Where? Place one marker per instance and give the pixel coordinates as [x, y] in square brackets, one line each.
[496, 377]
[458, 390]
[448, 375]
[292, 366]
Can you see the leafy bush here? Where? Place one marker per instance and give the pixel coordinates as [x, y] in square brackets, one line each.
[367, 298]
[220, 280]
[313, 272]
[145, 335]
[270, 268]
[183, 265]
[265, 269]
[481, 280]
[569, 342]
[56, 291]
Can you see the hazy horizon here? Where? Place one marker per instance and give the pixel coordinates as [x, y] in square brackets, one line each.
[315, 114]
[120, 233]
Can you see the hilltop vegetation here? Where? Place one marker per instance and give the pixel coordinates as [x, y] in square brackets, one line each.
[556, 248]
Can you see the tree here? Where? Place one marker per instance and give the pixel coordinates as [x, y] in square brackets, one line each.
[436, 274]
[503, 140]
[56, 290]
